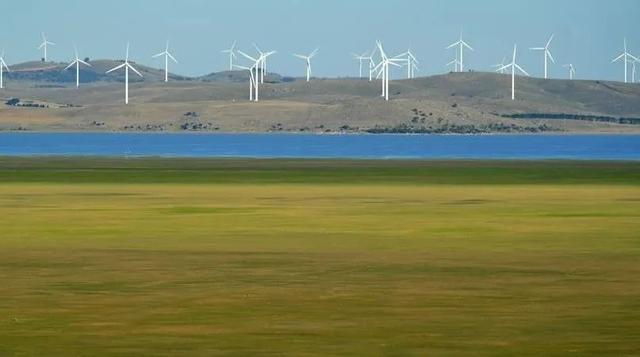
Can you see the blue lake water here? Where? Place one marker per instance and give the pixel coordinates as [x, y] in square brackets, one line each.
[581, 147]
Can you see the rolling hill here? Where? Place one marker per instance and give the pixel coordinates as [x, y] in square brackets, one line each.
[471, 102]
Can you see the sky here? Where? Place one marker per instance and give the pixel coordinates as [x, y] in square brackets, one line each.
[588, 33]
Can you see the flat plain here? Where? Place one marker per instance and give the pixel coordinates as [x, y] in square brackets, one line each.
[114, 257]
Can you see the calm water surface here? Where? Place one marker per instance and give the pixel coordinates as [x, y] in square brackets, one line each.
[582, 147]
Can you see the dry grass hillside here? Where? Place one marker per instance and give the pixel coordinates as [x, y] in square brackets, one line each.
[452, 103]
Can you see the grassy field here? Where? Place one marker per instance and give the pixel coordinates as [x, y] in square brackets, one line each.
[239, 257]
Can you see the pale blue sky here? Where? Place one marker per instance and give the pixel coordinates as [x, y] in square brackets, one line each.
[589, 33]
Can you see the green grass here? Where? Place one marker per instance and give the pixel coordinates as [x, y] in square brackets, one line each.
[244, 257]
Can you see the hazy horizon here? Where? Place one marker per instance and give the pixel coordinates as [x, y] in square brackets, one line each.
[589, 34]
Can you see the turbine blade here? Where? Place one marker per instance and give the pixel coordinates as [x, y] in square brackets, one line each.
[550, 39]
[116, 68]
[521, 69]
[172, 58]
[133, 69]
[247, 56]
[618, 58]
[84, 63]
[158, 55]
[70, 65]
[551, 56]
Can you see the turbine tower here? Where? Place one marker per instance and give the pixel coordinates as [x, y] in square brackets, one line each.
[572, 70]
[459, 61]
[167, 55]
[547, 56]
[232, 54]
[412, 63]
[627, 58]
[514, 66]
[126, 67]
[77, 62]
[3, 65]
[307, 59]
[383, 69]
[44, 44]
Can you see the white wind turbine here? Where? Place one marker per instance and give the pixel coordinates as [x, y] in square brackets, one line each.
[514, 66]
[361, 58]
[77, 62]
[307, 59]
[459, 61]
[372, 64]
[3, 65]
[383, 69]
[253, 86]
[412, 63]
[44, 44]
[254, 80]
[572, 70]
[547, 56]
[627, 58]
[633, 71]
[126, 67]
[366, 58]
[500, 66]
[232, 54]
[167, 55]
[263, 63]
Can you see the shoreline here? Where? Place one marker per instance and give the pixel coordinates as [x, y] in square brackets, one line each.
[292, 133]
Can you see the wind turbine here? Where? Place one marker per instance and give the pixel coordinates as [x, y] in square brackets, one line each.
[307, 59]
[254, 81]
[459, 61]
[547, 56]
[167, 55]
[3, 65]
[372, 64]
[253, 86]
[514, 66]
[412, 62]
[126, 67]
[633, 71]
[77, 62]
[232, 54]
[572, 70]
[500, 66]
[360, 59]
[383, 69]
[263, 63]
[44, 45]
[627, 58]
